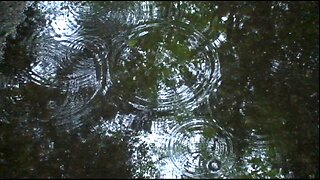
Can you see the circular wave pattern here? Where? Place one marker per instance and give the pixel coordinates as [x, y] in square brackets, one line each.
[77, 68]
[201, 150]
[163, 66]
[63, 18]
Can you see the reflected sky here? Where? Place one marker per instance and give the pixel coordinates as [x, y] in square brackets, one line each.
[162, 90]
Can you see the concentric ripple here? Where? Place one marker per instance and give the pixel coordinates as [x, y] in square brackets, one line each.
[63, 19]
[163, 66]
[199, 149]
[76, 67]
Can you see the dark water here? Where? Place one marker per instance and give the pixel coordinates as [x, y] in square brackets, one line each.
[162, 90]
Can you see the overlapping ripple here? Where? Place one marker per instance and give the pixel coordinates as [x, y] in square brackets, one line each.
[63, 19]
[186, 147]
[164, 65]
[200, 149]
[76, 67]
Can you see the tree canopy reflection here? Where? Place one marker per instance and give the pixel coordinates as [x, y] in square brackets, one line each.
[268, 98]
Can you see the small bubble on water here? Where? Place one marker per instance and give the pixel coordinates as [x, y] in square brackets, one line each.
[214, 165]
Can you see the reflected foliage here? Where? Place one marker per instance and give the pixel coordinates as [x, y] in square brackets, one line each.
[268, 98]
[271, 80]
[31, 149]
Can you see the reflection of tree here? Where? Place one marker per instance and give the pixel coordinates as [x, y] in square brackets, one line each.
[163, 60]
[40, 151]
[31, 144]
[272, 60]
[270, 66]
[269, 61]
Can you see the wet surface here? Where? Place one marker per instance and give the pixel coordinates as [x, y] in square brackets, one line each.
[166, 65]
[161, 90]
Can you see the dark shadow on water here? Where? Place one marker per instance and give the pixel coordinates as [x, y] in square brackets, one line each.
[162, 90]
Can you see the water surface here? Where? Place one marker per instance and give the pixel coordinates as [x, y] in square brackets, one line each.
[162, 90]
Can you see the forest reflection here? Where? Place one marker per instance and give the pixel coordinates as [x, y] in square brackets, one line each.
[100, 90]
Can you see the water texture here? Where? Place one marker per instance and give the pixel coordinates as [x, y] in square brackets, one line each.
[161, 90]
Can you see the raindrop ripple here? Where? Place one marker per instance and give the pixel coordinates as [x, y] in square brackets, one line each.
[201, 150]
[76, 67]
[163, 66]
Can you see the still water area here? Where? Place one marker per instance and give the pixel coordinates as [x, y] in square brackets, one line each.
[149, 89]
